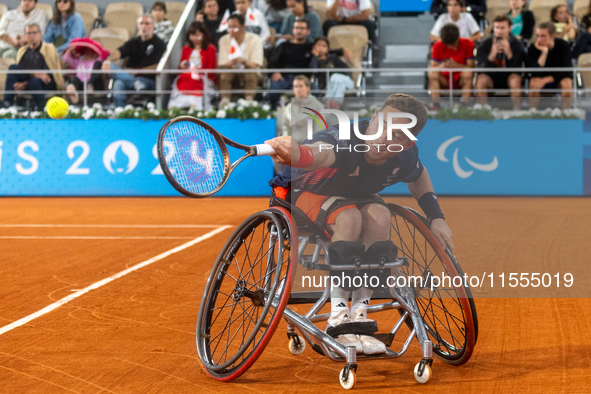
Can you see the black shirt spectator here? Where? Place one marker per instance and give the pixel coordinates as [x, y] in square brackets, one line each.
[143, 53]
[482, 57]
[223, 4]
[291, 55]
[33, 60]
[558, 56]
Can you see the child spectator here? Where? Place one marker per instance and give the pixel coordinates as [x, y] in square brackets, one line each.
[563, 22]
[83, 55]
[163, 28]
[67, 24]
[522, 20]
[463, 20]
[339, 82]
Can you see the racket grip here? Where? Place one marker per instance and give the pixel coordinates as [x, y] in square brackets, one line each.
[263, 150]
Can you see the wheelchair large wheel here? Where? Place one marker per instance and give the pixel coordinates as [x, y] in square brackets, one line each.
[448, 311]
[245, 295]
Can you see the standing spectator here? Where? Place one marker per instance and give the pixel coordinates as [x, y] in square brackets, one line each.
[522, 20]
[210, 17]
[199, 54]
[274, 10]
[563, 22]
[463, 20]
[299, 10]
[163, 28]
[37, 55]
[501, 50]
[339, 82]
[475, 7]
[84, 55]
[239, 49]
[295, 122]
[67, 24]
[549, 51]
[254, 19]
[452, 51]
[352, 12]
[12, 27]
[144, 52]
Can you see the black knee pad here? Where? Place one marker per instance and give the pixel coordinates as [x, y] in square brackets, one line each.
[346, 253]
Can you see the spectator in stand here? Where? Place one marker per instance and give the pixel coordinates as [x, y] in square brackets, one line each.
[563, 22]
[199, 54]
[501, 50]
[475, 7]
[463, 20]
[144, 52]
[37, 55]
[452, 51]
[67, 24]
[12, 27]
[339, 82]
[299, 10]
[83, 55]
[522, 20]
[255, 20]
[585, 22]
[549, 52]
[224, 5]
[210, 17]
[274, 10]
[239, 49]
[295, 121]
[583, 43]
[163, 28]
[349, 12]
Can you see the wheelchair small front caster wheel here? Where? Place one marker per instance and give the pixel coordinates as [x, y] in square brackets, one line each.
[424, 378]
[347, 378]
[297, 345]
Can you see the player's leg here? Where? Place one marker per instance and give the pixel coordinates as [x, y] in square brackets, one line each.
[514, 82]
[483, 83]
[566, 89]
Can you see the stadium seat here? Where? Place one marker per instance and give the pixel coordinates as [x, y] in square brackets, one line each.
[174, 10]
[494, 11]
[356, 39]
[89, 14]
[319, 7]
[3, 9]
[585, 61]
[580, 9]
[47, 8]
[4, 63]
[124, 15]
[110, 38]
[541, 9]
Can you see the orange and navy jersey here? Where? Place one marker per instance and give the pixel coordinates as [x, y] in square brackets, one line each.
[351, 175]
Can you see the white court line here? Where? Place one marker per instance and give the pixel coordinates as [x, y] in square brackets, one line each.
[103, 282]
[84, 237]
[116, 225]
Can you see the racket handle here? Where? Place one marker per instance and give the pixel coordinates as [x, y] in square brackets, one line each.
[263, 150]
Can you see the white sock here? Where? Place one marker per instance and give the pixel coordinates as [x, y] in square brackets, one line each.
[360, 299]
[339, 301]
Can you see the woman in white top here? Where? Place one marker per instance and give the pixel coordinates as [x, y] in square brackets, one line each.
[463, 20]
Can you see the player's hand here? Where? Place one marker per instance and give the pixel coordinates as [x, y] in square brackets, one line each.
[441, 230]
[284, 150]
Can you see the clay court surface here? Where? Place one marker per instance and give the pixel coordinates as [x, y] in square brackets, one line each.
[136, 333]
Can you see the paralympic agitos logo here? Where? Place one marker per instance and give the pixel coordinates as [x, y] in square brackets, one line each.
[345, 129]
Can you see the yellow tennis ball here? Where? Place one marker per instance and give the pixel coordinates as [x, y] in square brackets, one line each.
[57, 108]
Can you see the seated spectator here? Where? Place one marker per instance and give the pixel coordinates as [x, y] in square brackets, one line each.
[198, 54]
[339, 82]
[585, 22]
[299, 10]
[452, 51]
[295, 121]
[224, 5]
[255, 20]
[563, 22]
[351, 12]
[83, 55]
[37, 55]
[549, 52]
[163, 28]
[502, 49]
[239, 49]
[477, 8]
[210, 17]
[583, 43]
[463, 20]
[12, 27]
[144, 52]
[522, 20]
[67, 24]
[274, 10]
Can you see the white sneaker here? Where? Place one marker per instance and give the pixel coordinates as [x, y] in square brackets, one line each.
[370, 345]
[345, 339]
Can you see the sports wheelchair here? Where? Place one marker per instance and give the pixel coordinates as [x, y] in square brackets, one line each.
[249, 292]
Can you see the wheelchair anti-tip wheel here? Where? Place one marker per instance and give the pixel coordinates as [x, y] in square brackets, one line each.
[245, 295]
[447, 310]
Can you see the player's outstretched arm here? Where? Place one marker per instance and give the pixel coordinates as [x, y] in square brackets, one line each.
[311, 157]
[422, 191]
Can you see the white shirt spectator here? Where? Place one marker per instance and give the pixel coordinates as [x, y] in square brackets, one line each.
[348, 8]
[467, 24]
[13, 23]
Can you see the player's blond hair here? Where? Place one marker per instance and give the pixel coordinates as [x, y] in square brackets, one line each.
[406, 103]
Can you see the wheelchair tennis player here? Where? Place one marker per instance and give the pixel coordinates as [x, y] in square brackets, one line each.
[338, 188]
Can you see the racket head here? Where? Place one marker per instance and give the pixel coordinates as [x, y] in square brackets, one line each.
[193, 156]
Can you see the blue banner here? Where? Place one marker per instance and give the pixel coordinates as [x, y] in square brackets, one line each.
[113, 158]
[405, 5]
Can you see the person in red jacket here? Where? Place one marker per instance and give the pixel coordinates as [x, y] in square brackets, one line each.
[199, 54]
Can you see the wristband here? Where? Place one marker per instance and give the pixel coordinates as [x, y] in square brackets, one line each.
[430, 205]
[306, 157]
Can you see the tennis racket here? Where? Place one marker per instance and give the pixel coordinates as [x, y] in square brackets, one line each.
[194, 157]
